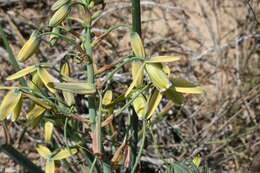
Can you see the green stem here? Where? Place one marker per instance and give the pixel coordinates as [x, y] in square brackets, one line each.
[136, 22]
[136, 16]
[12, 58]
[138, 158]
[92, 100]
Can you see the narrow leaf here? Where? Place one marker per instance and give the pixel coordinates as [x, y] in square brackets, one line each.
[162, 59]
[7, 88]
[76, 88]
[64, 153]
[43, 151]
[137, 45]
[22, 73]
[179, 82]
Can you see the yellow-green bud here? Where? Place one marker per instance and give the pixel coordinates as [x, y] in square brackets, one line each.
[59, 15]
[158, 77]
[29, 48]
[59, 4]
[139, 105]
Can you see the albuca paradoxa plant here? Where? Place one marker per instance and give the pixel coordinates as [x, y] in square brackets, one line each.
[52, 91]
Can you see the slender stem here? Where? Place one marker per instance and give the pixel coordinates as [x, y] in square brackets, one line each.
[141, 148]
[136, 22]
[92, 100]
[11, 55]
[136, 16]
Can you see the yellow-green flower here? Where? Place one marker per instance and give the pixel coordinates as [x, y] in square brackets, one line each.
[59, 15]
[29, 48]
[52, 156]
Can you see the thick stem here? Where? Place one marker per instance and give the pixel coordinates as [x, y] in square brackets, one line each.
[136, 16]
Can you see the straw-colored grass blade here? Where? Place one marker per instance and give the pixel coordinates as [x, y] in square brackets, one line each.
[9, 103]
[22, 72]
[137, 45]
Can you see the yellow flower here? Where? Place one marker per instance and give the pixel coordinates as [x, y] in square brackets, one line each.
[52, 156]
[59, 15]
[29, 48]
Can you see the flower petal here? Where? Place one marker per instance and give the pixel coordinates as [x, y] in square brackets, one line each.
[64, 153]
[162, 59]
[43, 151]
[22, 72]
[137, 45]
[48, 128]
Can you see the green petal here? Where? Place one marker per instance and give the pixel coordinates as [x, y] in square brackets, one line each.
[50, 166]
[22, 73]
[9, 103]
[48, 128]
[137, 45]
[133, 84]
[64, 153]
[46, 78]
[153, 103]
[43, 151]
[174, 96]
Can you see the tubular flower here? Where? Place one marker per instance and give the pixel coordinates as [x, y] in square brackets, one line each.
[29, 48]
[59, 15]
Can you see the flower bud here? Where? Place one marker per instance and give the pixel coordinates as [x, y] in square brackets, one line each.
[136, 65]
[29, 48]
[59, 4]
[139, 105]
[59, 15]
[158, 77]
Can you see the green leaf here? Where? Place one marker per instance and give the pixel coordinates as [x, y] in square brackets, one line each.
[76, 88]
